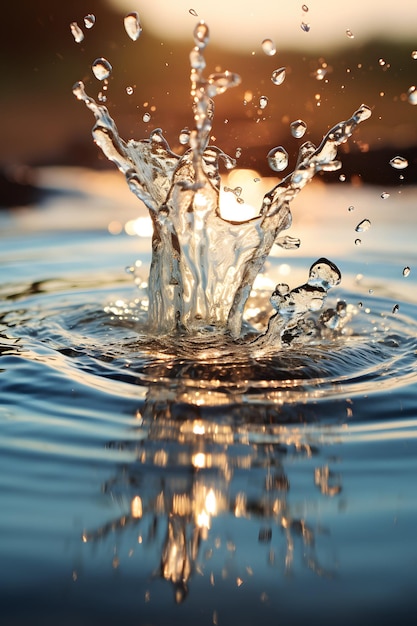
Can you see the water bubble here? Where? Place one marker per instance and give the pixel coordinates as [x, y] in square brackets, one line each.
[399, 163]
[146, 117]
[298, 128]
[363, 226]
[201, 35]
[278, 159]
[406, 271]
[263, 102]
[184, 137]
[385, 195]
[77, 33]
[132, 25]
[89, 20]
[305, 27]
[101, 68]
[358, 242]
[414, 54]
[350, 34]
[269, 47]
[412, 95]
[278, 76]
[193, 12]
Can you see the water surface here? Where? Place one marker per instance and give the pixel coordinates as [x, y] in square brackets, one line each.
[155, 481]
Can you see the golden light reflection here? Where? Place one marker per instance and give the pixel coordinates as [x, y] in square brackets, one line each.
[189, 466]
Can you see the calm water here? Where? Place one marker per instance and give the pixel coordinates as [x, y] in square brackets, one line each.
[147, 481]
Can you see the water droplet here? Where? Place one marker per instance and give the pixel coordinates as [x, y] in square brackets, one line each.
[384, 195]
[304, 8]
[320, 73]
[193, 12]
[101, 68]
[406, 271]
[358, 242]
[238, 153]
[399, 163]
[269, 47]
[278, 159]
[305, 27]
[132, 25]
[184, 137]
[325, 274]
[351, 208]
[381, 62]
[77, 33]
[129, 90]
[220, 82]
[89, 20]
[342, 178]
[201, 35]
[146, 117]
[412, 95]
[350, 34]
[278, 76]
[363, 226]
[395, 308]
[263, 102]
[298, 128]
[414, 54]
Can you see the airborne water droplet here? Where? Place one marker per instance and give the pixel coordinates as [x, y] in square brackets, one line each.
[399, 163]
[363, 226]
[384, 195]
[351, 208]
[132, 25]
[89, 20]
[358, 242]
[101, 68]
[342, 178]
[146, 117]
[263, 102]
[350, 34]
[305, 8]
[278, 159]
[395, 308]
[201, 35]
[268, 47]
[129, 90]
[184, 137]
[414, 54]
[278, 76]
[298, 128]
[77, 33]
[193, 12]
[406, 271]
[412, 95]
[305, 27]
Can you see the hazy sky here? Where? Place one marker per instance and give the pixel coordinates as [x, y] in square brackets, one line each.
[245, 23]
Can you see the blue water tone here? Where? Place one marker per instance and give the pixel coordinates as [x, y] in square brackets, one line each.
[148, 480]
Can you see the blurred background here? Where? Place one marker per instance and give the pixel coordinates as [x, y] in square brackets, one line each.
[336, 56]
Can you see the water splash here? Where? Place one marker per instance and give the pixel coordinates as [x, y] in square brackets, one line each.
[204, 266]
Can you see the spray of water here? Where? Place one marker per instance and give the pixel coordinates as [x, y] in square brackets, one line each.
[204, 266]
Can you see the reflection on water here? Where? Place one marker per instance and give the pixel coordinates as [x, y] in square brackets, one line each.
[152, 482]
